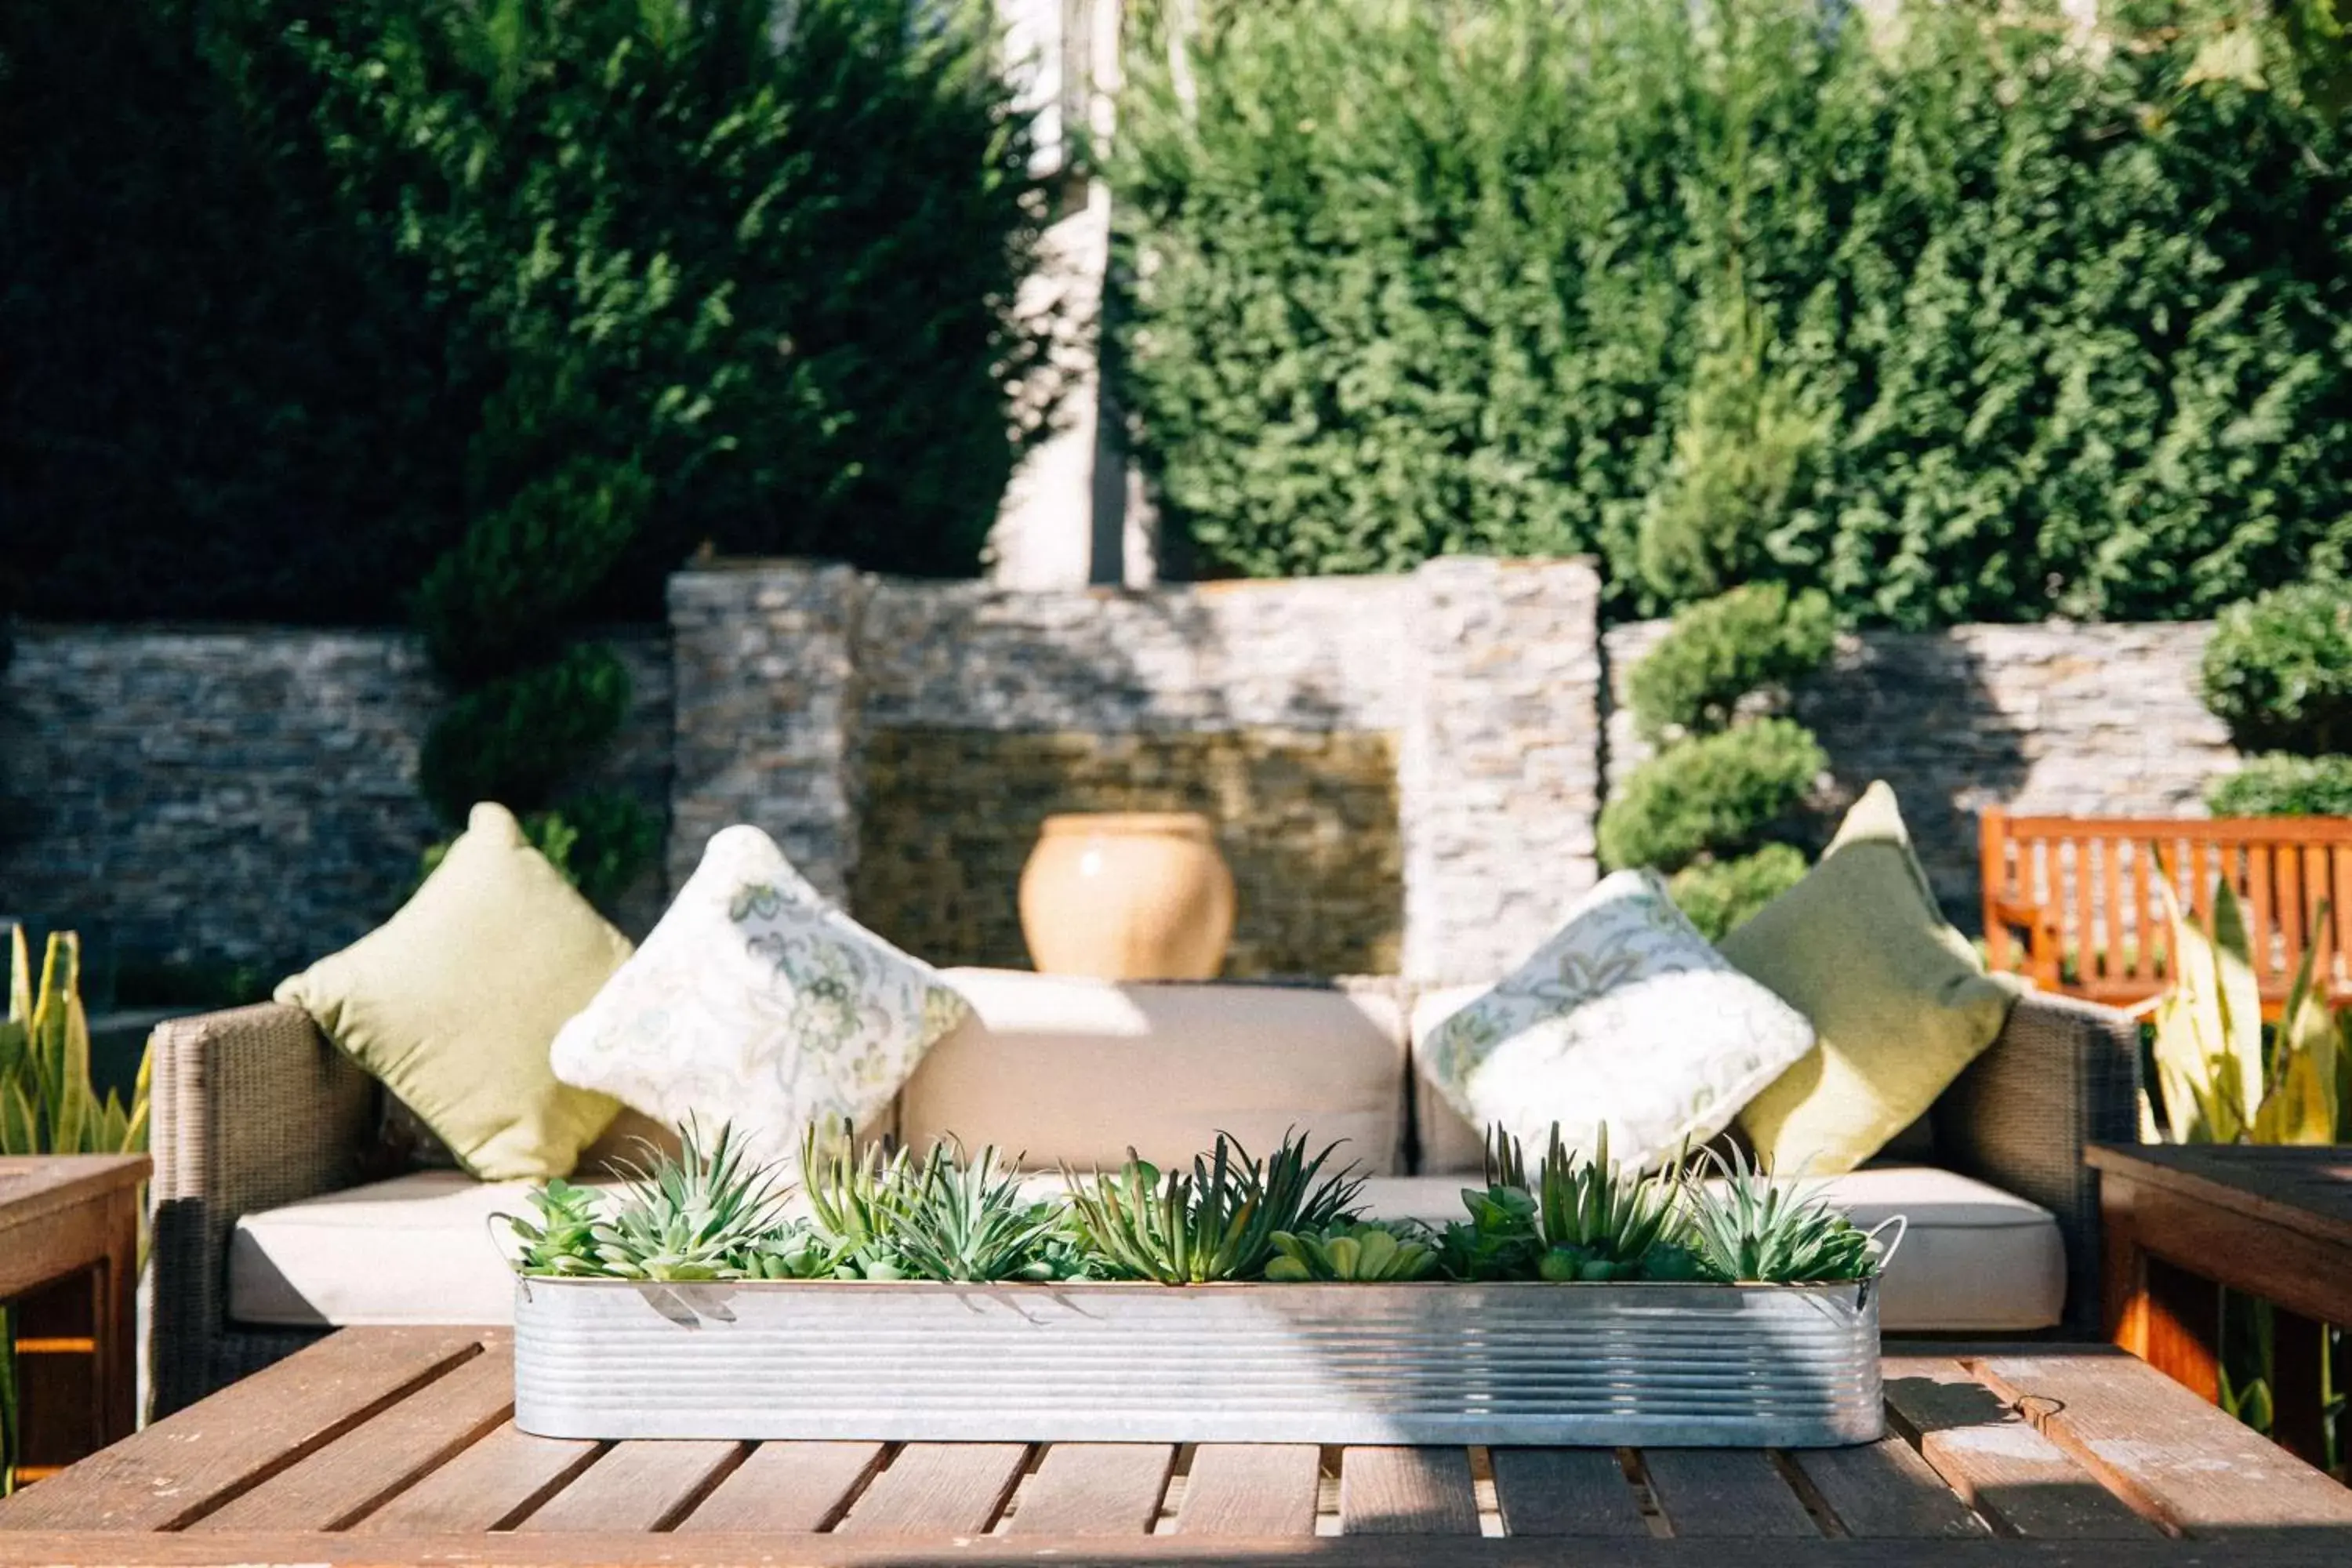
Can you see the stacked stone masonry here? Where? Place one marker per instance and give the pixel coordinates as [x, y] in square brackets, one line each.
[2058, 720]
[1406, 771]
[239, 798]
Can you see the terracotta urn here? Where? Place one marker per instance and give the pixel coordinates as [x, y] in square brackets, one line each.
[1128, 896]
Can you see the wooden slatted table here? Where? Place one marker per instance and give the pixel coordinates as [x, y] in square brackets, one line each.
[382, 1446]
[69, 1267]
[2178, 1220]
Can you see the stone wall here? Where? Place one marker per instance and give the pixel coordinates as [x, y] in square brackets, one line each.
[237, 797]
[1306, 819]
[958, 714]
[1406, 771]
[2067, 720]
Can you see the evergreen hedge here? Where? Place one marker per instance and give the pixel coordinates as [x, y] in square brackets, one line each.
[1974, 324]
[327, 283]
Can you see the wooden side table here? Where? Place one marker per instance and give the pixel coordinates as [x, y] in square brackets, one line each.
[69, 1262]
[2275, 1223]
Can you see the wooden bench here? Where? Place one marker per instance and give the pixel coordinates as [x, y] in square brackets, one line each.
[2072, 901]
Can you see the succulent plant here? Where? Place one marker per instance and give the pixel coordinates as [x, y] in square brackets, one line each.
[1367, 1251]
[1750, 1230]
[563, 1240]
[691, 1216]
[856, 1196]
[968, 1221]
[1498, 1241]
[1589, 1207]
[1216, 1223]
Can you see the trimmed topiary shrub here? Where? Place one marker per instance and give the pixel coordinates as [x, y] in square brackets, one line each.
[1720, 894]
[2278, 670]
[1722, 649]
[1719, 794]
[2281, 785]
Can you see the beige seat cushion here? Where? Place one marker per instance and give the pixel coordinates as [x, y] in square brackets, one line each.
[419, 1249]
[1976, 1260]
[1058, 1070]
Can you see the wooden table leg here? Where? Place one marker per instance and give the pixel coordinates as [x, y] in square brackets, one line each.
[2159, 1311]
[2298, 1415]
[2184, 1328]
[115, 1323]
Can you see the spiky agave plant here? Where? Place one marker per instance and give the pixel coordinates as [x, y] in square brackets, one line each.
[856, 1197]
[1750, 1230]
[691, 1216]
[1216, 1223]
[968, 1221]
[1597, 1221]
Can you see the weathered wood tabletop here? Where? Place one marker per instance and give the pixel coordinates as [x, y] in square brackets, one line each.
[397, 1445]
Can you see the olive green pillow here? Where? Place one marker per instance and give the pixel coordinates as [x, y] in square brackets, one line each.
[1898, 1000]
[453, 1002]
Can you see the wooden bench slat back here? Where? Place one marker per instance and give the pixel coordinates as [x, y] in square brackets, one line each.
[2085, 893]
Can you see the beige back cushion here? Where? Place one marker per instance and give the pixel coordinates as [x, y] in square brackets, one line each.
[1064, 1071]
[1449, 1145]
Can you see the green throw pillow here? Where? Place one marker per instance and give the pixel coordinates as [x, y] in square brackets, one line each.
[1898, 1000]
[453, 1002]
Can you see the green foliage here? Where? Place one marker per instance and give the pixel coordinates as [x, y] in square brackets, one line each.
[498, 598]
[1740, 459]
[1958, 329]
[2280, 785]
[47, 1103]
[516, 739]
[1369, 1251]
[1498, 1241]
[1752, 638]
[1218, 1222]
[876, 1213]
[1596, 1220]
[1750, 1230]
[2278, 670]
[1720, 895]
[2214, 1081]
[968, 1221]
[528, 296]
[1717, 793]
[691, 1216]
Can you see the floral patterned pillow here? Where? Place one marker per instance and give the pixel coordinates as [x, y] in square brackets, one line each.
[755, 1002]
[1627, 1018]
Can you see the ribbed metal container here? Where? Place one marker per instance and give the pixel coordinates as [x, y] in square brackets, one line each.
[1782, 1366]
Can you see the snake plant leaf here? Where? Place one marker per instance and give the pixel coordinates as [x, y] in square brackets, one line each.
[20, 977]
[2189, 1030]
[2301, 1106]
[20, 1128]
[2241, 1076]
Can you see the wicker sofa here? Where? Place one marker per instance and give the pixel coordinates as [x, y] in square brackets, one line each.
[264, 1132]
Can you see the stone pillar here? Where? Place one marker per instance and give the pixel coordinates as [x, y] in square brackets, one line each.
[768, 713]
[1499, 765]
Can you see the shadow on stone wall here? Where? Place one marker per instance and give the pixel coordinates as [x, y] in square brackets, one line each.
[1919, 712]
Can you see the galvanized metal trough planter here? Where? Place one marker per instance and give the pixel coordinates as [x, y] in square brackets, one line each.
[1697, 1364]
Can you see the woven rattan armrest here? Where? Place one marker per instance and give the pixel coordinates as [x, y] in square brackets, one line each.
[253, 1108]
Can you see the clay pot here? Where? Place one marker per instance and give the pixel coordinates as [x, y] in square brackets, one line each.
[1128, 896]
